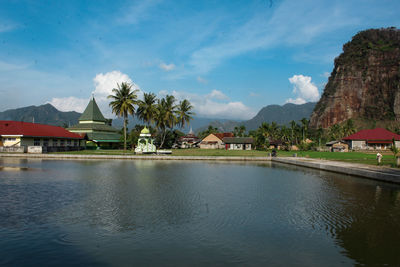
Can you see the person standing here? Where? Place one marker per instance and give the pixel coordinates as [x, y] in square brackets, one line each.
[379, 158]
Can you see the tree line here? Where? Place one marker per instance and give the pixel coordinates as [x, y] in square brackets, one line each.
[160, 115]
[295, 134]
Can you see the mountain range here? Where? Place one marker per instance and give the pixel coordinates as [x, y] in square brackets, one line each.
[48, 114]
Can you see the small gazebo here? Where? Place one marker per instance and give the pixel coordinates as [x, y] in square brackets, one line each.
[145, 142]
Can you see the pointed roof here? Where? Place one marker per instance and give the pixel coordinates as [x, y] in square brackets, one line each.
[92, 112]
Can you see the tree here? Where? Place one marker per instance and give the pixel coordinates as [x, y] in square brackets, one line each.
[123, 103]
[292, 129]
[239, 131]
[349, 128]
[165, 116]
[207, 132]
[147, 108]
[394, 149]
[184, 113]
[336, 132]
[304, 124]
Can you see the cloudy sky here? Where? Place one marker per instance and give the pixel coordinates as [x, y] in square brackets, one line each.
[229, 58]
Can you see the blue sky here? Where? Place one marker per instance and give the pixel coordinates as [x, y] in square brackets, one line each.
[229, 58]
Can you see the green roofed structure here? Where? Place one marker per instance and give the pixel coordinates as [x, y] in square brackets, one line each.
[98, 129]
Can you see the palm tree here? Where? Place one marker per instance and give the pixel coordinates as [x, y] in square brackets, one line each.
[304, 123]
[122, 104]
[336, 132]
[274, 130]
[349, 128]
[165, 115]
[147, 108]
[292, 128]
[184, 113]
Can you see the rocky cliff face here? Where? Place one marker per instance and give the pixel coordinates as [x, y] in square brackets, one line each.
[365, 82]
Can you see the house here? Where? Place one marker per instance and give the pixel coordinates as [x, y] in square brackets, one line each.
[188, 141]
[337, 146]
[275, 144]
[214, 141]
[238, 143]
[378, 138]
[98, 130]
[18, 136]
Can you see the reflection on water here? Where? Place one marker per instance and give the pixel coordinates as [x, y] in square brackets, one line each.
[202, 213]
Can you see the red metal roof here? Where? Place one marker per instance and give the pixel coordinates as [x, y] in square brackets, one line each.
[35, 130]
[373, 134]
[222, 135]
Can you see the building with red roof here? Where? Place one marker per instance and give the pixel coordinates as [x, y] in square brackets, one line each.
[18, 134]
[377, 138]
[214, 141]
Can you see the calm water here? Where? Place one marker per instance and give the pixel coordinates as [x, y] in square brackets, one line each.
[192, 213]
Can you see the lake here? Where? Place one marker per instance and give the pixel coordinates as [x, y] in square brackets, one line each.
[180, 213]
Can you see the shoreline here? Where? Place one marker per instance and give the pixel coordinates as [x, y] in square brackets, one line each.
[360, 170]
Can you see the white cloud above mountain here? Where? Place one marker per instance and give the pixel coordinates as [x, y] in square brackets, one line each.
[215, 104]
[303, 89]
[103, 84]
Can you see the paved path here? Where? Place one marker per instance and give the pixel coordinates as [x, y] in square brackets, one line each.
[368, 171]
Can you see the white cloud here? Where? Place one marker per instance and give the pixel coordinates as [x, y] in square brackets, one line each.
[326, 74]
[252, 94]
[201, 80]
[137, 12]
[167, 67]
[213, 105]
[304, 89]
[291, 23]
[103, 83]
[69, 103]
[217, 95]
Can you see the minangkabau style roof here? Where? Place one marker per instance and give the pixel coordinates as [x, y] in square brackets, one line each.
[35, 130]
[373, 134]
[92, 112]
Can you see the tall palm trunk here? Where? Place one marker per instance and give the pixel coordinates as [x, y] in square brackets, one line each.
[125, 119]
[163, 138]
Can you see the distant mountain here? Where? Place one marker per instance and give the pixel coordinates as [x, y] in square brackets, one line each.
[45, 114]
[282, 115]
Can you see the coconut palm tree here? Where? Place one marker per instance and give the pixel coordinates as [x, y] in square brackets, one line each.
[304, 124]
[184, 113]
[123, 103]
[165, 115]
[349, 128]
[292, 129]
[147, 108]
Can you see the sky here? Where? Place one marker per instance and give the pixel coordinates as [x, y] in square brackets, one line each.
[228, 58]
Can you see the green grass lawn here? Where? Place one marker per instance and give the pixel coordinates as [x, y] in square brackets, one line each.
[351, 157]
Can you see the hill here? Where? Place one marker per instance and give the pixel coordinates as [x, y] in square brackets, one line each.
[282, 115]
[48, 114]
[45, 114]
[365, 82]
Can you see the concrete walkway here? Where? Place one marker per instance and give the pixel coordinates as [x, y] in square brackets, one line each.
[367, 171]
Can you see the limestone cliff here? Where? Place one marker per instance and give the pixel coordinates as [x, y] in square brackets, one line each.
[365, 82]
